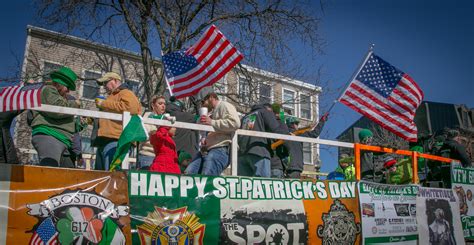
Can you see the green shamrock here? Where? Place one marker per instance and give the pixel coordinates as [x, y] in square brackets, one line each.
[79, 223]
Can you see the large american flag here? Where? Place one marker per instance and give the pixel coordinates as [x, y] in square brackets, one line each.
[45, 234]
[20, 96]
[386, 95]
[201, 65]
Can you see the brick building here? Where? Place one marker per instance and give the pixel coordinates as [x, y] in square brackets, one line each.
[47, 50]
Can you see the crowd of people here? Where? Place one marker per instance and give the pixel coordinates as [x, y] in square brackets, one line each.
[395, 170]
[56, 136]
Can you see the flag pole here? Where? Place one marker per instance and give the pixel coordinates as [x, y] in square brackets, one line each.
[369, 52]
[164, 75]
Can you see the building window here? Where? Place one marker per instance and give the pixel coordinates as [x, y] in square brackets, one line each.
[265, 91]
[134, 86]
[91, 89]
[289, 101]
[244, 91]
[307, 153]
[49, 67]
[305, 106]
[220, 88]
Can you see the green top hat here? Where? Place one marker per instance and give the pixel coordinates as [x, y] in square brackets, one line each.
[65, 76]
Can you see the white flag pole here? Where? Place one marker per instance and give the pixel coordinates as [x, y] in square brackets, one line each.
[164, 74]
[354, 75]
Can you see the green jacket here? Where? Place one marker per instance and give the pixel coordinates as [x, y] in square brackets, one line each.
[349, 172]
[403, 174]
[62, 123]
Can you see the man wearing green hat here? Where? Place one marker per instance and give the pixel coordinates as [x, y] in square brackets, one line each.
[367, 166]
[52, 132]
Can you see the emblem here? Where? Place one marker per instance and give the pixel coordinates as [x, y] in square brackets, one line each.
[77, 216]
[171, 226]
[339, 225]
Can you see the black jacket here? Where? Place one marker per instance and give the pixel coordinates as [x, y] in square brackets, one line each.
[185, 139]
[7, 147]
[280, 152]
[295, 149]
[262, 120]
[456, 151]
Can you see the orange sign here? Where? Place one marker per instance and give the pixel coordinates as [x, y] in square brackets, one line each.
[52, 205]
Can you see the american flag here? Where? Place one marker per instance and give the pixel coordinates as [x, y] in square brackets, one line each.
[45, 234]
[20, 97]
[386, 95]
[201, 65]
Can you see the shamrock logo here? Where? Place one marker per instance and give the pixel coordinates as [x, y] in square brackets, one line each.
[79, 223]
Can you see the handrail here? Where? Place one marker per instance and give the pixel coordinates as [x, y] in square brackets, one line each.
[240, 132]
[413, 154]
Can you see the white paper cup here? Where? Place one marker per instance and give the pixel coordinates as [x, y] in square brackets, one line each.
[203, 111]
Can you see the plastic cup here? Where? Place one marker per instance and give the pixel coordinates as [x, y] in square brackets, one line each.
[203, 111]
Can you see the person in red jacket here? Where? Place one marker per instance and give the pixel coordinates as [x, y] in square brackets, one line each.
[166, 158]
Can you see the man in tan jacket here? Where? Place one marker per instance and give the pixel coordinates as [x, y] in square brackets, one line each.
[119, 99]
[214, 155]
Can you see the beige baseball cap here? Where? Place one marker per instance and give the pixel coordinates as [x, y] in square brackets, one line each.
[109, 76]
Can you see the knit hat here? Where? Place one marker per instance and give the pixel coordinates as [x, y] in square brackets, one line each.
[389, 162]
[292, 120]
[65, 76]
[365, 133]
[177, 103]
[184, 156]
[345, 158]
[452, 134]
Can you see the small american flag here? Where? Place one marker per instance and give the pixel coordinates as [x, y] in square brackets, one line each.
[45, 234]
[201, 65]
[20, 97]
[386, 95]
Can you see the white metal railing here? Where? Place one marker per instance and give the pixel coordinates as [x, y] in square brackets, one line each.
[125, 118]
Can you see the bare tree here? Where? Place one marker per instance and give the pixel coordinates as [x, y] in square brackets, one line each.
[383, 137]
[263, 30]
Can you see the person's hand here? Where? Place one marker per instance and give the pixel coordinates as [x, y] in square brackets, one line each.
[206, 120]
[98, 102]
[78, 102]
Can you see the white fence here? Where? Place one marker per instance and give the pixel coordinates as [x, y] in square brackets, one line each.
[125, 118]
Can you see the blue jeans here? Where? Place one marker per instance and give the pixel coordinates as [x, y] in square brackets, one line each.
[144, 162]
[213, 163]
[105, 155]
[253, 165]
[277, 173]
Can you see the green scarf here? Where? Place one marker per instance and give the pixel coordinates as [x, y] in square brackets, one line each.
[43, 129]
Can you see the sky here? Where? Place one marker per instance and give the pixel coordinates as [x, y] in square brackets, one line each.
[431, 40]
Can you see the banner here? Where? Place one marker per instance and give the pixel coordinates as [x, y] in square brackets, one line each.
[388, 213]
[42, 205]
[462, 182]
[228, 210]
[438, 217]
